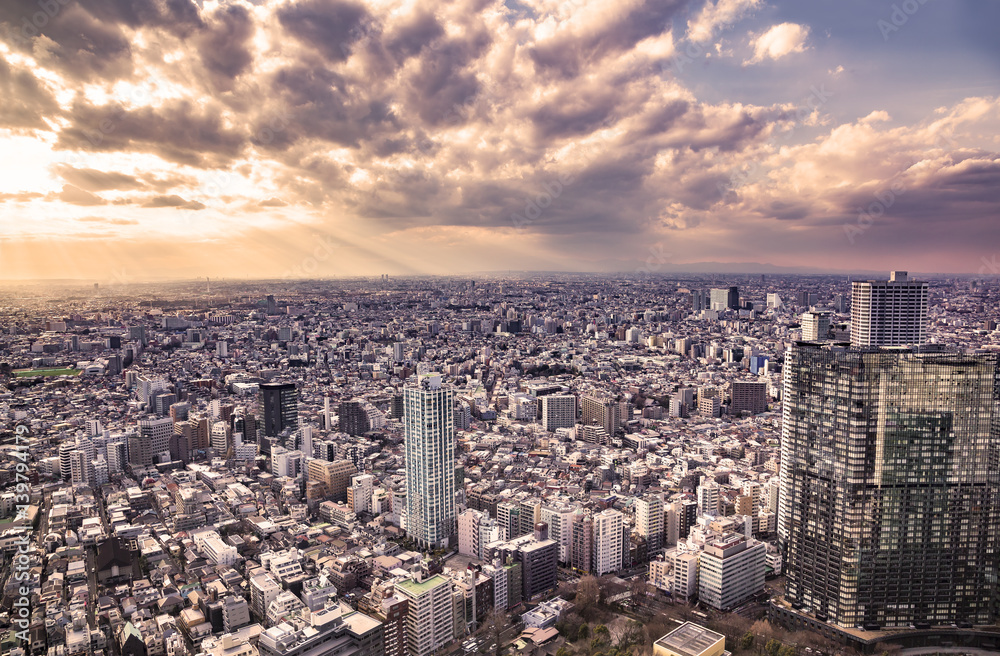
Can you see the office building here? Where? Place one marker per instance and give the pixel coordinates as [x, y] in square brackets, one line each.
[280, 407]
[724, 299]
[889, 484]
[430, 461]
[154, 440]
[539, 567]
[815, 326]
[730, 571]
[335, 476]
[690, 640]
[889, 312]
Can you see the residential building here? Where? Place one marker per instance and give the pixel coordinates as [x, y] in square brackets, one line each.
[430, 461]
[889, 312]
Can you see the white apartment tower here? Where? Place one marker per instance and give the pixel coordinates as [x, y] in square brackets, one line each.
[649, 522]
[709, 498]
[607, 542]
[430, 461]
[558, 411]
[889, 312]
[360, 492]
[430, 617]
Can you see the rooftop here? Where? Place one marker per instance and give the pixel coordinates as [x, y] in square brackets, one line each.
[415, 588]
[690, 639]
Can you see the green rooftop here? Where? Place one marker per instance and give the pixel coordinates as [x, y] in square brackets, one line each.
[416, 589]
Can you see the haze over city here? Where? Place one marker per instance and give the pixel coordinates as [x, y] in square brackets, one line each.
[147, 139]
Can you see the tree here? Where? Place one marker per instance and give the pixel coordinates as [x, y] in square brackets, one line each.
[588, 593]
[746, 642]
[495, 622]
[584, 632]
[639, 588]
[628, 635]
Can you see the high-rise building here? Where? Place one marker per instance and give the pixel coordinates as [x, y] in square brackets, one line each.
[815, 326]
[604, 412]
[359, 495]
[154, 435]
[539, 567]
[649, 518]
[430, 617]
[147, 387]
[731, 571]
[509, 519]
[889, 508]
[724, 299]
[748, 396]
[353, 417]
[889, 312]
[430, 461]
[701, 299]
[558, 411]
[335, 476]
[558, 517]
[608, 541]
[475, 530]
[581, 550]
[709, 498]
[280, 405]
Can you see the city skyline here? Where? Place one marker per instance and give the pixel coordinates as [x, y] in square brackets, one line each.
[326, 138]
[378, 466]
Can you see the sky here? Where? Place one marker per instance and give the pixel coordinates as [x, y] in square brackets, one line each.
[322, 138]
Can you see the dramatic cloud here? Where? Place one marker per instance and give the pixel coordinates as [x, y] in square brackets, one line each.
[173, 201]
[780, 40]
[76, 196]
[481, 134]
[718, 15]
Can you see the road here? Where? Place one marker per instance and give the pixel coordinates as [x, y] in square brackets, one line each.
[927, 651]
[481, 638]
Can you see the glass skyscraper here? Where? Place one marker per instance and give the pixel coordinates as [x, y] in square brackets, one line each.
[430, 461]
[280, 406]
[890, 477]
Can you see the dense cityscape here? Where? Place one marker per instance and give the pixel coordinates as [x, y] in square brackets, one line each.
[561, 464]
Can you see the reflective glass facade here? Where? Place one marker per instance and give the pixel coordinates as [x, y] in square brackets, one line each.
[890, 477]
